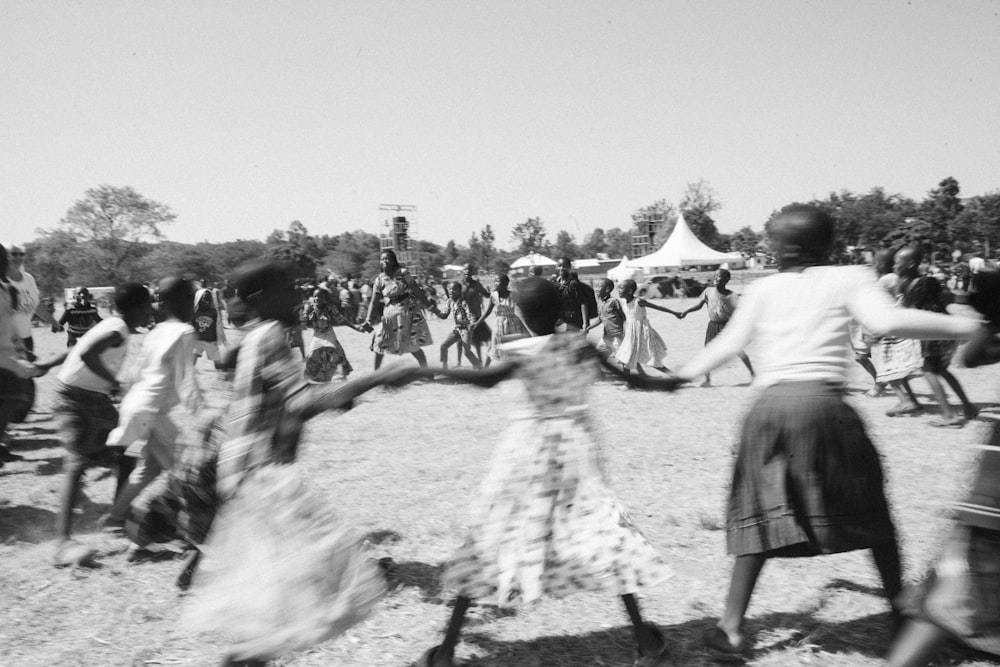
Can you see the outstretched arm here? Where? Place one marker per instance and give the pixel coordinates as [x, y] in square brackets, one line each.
[701, 302]
[485, 378]
[647, 304]
[648, 382]
[983, 349]
[310, 400]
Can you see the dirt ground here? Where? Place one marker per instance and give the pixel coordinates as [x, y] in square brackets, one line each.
[402, 465]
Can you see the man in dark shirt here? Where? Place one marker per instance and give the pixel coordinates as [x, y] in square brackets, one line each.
[572, 307]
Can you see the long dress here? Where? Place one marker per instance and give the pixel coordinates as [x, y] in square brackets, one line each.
[324, 353]
[507, 324]
[640, 342]
[545, 521]
[404, 328]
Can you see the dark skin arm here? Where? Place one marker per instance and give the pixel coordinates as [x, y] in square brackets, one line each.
[487, 377]
[701, 302]
[645, 382]
[983, 349]
[647, 304]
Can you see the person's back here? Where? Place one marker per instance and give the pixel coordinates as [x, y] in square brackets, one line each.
[164, 361]
[75, 372]
[799, 321]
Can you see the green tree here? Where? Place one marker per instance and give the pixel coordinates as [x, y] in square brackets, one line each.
[595, 243]
[697, 204]
[565, 245]
[530, 236]
[618, 242]
[487, 238]
[114, 226]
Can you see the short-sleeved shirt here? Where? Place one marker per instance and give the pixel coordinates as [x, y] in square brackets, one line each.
[27, 302]
[612, 317]
[74, 371]
[164, 363]
[720, 306]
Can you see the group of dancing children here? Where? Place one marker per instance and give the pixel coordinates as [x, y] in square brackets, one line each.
[545, 522]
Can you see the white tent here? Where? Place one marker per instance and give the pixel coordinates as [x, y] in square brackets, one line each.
[684, 249]
[624, 271]
[532, 259]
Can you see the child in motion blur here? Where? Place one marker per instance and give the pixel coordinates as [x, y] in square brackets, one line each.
[210, 335]
[807, 480]
[721, 302]
[284, 573]
[166, 375]
[545, 521]
[80, 316]
[641, 345]
[961, 597]
[87, 381]
[462, 333]
[508, 324]
[325, 353]
[611, 315]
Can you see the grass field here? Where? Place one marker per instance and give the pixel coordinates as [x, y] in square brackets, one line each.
[402, 466]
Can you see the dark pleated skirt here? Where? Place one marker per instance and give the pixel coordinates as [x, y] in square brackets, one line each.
[713, 330]
[808, 480]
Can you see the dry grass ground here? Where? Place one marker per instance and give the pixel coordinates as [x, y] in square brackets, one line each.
[402, 465]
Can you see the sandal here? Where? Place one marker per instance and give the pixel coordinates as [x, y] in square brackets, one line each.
[954, 422]
[720, 648]
[652, 660]
[427, 659]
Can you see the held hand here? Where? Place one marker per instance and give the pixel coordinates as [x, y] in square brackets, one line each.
[680, 316]
[38, 370]
[401, 375]
[56, 327]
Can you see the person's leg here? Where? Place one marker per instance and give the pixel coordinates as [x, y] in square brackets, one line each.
[68, 496]
[746, 570]
[469, 355]
[648, 640]
[10, 409]
[968, 408]
[908, 403]
[444, 355]
[746, 362]
[934, 380]
[889, 569]
[378, 360]
[421, 359]
[445, 652]
[916, 644]
[144, 471]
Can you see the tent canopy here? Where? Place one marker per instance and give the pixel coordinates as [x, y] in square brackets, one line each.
[624, 271]
[532, 259]
[683, 248]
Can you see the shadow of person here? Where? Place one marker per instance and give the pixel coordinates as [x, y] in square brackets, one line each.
[414, 574]
[22, 523]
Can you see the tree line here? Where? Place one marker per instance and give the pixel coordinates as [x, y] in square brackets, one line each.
[114, 234]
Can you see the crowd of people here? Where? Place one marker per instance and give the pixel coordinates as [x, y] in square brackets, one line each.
[807, 480]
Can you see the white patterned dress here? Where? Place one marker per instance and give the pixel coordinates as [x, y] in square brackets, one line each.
[507, 324]
[545, 521]
[640, 342]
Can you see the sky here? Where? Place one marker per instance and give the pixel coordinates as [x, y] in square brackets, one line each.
[245, 116]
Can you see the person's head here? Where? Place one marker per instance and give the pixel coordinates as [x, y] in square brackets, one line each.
[455, 291]
[565, 267]
[268, 290]
[722, 277]
[387, 261]
[176, 297]
[606, 288]
[15, 255]
[134, 304]
[81, 296]
[536, 271]
[884, 261]
[538, 301]
[627, 288]
[803, 235]
[469, 271]
[503, 283]
[907, 261]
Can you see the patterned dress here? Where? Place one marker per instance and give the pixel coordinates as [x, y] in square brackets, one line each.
[545, 521]
[325, 353]
[507, 324]
[404, 328]
[640, 342]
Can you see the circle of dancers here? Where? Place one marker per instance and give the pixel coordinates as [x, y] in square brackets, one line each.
[807, 480]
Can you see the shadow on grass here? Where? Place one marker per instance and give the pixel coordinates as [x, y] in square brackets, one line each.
[26, 524]
[796, 636]
[419, 575]
[30, 444]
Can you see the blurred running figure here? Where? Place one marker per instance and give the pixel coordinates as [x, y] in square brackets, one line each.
[808, 480]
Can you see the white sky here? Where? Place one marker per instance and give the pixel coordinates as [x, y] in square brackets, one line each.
[244, 116]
